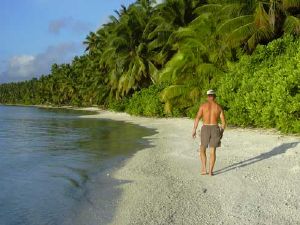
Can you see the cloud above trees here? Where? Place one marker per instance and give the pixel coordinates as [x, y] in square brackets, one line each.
[22, 67]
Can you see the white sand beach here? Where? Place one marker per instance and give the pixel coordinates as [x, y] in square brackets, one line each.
[257, 177]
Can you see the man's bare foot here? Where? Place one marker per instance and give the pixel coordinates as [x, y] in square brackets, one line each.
[203, 172]
[211, 173]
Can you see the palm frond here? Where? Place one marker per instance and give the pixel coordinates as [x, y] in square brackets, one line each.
[118, 42]
[153, 72]
[152, 24]
[241, 34]
[137, 15]
[260, 34]
[235, 23]
[173, 68]
[231, 10]
[292, 25]
[193, 44]
[207, 69]
[162, 29]
[155, 44]
[208, 8]
[200, 20]
[181, 33]
[107, 55]
[290, 4]
[113, 19]
[194, 94]
[173, 91]
[261, 17]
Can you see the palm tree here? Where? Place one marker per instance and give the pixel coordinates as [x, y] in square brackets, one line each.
[192, 68]
[91, 42]
[268, 21]
[126, 54]
[183, 43]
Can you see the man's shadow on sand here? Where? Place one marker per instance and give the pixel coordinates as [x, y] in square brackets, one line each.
[275, 151]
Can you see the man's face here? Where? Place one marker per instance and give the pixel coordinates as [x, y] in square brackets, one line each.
[211, 97]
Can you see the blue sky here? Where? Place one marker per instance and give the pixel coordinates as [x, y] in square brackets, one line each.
[38, 33]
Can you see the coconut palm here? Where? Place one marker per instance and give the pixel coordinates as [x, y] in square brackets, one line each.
[268, 21]
[91, 42]
[126, 53]
[193, 66]
[183, 43]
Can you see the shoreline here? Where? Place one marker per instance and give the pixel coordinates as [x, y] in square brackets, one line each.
[99, 109]
[255, 182]
[69, 156]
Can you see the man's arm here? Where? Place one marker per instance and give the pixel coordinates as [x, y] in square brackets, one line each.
[198, 117]
[223, 120]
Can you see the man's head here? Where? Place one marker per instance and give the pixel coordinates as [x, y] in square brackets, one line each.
[211, 95]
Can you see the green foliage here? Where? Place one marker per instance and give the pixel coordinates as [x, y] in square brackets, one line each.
[159, 60]
[193, 67]
[262, 90]
[118, 105]
[259, 22]
[146, 102]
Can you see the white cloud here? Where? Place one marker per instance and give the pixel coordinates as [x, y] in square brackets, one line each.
[22, 67]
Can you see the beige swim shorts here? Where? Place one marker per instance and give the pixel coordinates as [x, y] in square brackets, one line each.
[210, 135]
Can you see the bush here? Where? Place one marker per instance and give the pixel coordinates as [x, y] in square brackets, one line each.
[117, 105]
[146, 102]
[262, 90]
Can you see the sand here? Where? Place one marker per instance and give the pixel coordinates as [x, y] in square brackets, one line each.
[257, 177]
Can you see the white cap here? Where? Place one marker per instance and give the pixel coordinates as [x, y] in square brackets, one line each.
[210, 92]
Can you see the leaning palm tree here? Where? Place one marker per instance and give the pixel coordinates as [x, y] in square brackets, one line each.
[193, 67]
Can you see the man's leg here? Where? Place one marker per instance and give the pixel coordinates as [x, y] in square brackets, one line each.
[203, 159]
[212, 160]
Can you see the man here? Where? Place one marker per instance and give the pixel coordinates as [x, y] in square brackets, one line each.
[211, 133]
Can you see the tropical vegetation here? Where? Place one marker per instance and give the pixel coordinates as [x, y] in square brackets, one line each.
[159, 59]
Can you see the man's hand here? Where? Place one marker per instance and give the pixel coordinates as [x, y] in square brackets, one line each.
[221, 132]
[194, 133]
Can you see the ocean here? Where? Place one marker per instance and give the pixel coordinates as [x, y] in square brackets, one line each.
[55, 167]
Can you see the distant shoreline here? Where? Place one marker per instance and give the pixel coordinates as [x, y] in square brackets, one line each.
[99, 109]
[51, 106]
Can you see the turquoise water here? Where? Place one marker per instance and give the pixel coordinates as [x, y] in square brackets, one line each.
[55, 167]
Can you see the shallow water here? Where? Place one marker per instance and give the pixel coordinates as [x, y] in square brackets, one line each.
[54, 166]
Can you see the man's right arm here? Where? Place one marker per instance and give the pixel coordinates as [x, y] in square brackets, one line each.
[198, 117]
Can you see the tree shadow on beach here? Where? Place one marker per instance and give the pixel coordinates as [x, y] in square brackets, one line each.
[275, 151]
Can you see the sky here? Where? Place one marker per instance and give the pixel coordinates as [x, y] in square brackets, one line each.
[37, 33]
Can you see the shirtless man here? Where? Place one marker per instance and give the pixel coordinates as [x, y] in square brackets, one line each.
[211, 133]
